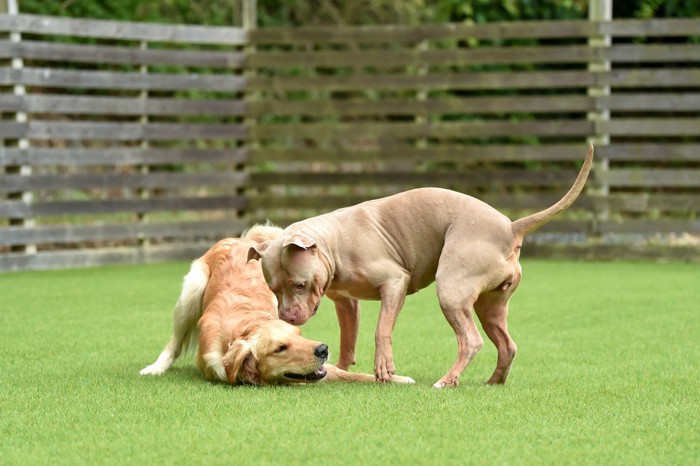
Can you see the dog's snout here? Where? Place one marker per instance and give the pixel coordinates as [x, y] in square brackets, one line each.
[321, 351]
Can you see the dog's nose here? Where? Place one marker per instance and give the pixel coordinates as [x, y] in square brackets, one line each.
[321, 351]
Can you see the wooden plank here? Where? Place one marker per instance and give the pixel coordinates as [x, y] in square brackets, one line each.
[103, 54]
[110, 156]
[58, 78]
[645, 202]
[119, 231]
[481, 178]
[648, 152]
[481, 128]
[413, 34]
[117, 131]
[647, 102]
[16, 183]
[651, 177]
[629, 252]
[637, 53]
[327, 202]
[437, 81]
[123, 30]
[458, 153]
[671, 27]
[648, 226]
[103, 105]
[430, 106]
[649, 127]
[73, 258]
[463, 56]
[662, 77]
[20, 209]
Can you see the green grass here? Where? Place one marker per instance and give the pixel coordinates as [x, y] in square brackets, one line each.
[607, 373]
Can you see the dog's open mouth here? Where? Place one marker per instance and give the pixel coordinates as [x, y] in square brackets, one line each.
[314, 376]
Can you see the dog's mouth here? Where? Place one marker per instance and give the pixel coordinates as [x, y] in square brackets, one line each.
[314, 376]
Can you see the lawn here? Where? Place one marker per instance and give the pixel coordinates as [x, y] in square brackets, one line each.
[607, 373]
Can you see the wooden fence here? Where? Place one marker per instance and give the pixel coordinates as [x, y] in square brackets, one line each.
[126, 142]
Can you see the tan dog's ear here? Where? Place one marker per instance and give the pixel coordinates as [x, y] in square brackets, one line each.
[255, 252]
[300, 240]
[239, 363]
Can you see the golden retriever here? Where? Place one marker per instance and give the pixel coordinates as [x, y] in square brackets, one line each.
[226, 301]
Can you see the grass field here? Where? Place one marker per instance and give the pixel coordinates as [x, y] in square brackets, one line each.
[607, 373]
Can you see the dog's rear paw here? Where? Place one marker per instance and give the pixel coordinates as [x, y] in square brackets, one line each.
[402, 379]
[446, 383]
[153, 369]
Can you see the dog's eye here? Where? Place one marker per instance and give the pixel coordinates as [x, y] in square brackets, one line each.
[300, 286]
[281, 348]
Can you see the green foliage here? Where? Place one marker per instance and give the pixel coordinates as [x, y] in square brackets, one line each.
[606, 374]
[273, 13]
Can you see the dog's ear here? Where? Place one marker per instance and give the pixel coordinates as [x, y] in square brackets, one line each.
[239, 363]
[300, 240]
[256, 252]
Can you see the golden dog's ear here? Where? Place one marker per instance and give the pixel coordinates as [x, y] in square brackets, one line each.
[256, 252]
[239, 363]
[300, 240]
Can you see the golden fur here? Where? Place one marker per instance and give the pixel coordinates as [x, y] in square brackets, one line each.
[241, 340]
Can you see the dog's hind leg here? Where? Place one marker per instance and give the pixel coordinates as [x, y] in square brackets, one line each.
[186, 314]
[492, 311]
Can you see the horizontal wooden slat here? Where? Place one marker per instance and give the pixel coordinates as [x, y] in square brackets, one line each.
[52, 25]
[15, 183]
[391, 33]
[57, 78]
[646, 226]
[81, 53]
[648, 152]
[651, 178]
[37, 156]
[20, 209]
[72, 258]
[102, 105]
[468, 56]
[77, 233]
[462, 153]
[648, 127]
[649, 28]
[637, 53]
[652, 78]
[482, 178]
[363, 131]
[421, 58]
[630, 251]
[117, 131]
[433, 81]
[647, 102]
[429, 106]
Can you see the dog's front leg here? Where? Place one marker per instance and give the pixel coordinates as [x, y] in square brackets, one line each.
[393, 294]
[348, 311]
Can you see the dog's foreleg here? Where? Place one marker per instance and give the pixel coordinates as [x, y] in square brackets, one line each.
[348, 311]
[335, 374]
[393, 295]
[186, 314]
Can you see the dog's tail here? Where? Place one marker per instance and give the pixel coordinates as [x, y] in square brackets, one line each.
[262, 233]
[532, 222]
[188, 309]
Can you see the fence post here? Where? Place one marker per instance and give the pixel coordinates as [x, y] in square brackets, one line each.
[143, 193]
[599, 11]
[22, 143]
[249, 22]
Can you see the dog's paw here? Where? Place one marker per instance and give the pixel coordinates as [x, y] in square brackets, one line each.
[446, 383]
[402, 379]
[153, 369]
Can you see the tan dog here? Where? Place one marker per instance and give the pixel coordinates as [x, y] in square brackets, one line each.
[387, 248]
[241, 340]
